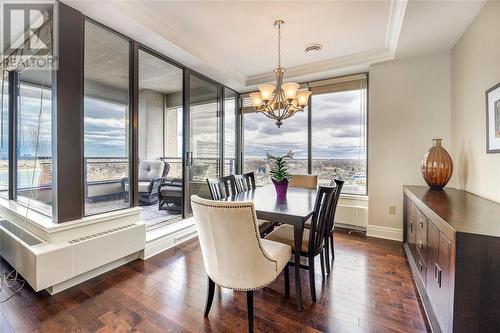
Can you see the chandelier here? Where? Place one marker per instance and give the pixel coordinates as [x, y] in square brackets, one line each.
[283, 100]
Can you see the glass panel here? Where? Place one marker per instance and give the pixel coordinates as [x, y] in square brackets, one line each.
[4, 134]
[160, 138]
[204, 136]
[106, 120]
[34, 137]
[339, 138]
[261, 136]
[229, 132]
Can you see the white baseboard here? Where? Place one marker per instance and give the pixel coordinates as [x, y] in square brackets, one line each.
[385, 232]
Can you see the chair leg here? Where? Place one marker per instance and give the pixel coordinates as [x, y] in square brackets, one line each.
[287, 281]
[331, 244]
[327, 254]
[322, 259]
[312, 284]
[250, 310]
[210, 296]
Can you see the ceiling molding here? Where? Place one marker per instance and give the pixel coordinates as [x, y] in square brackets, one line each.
[208, 65]
[162, 27]
[368, 57]
[394, 25]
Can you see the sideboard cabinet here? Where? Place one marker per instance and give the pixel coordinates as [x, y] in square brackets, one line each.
[452, 242]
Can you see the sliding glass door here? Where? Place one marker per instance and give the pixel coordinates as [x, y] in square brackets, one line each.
[202, 157]
[160, 115]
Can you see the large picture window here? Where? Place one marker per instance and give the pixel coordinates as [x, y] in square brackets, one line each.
[262, 136]
[338, 127]
[106, 120]
[34, 140]
[337, 134]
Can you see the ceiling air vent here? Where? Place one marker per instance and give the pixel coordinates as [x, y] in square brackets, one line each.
[313, 49]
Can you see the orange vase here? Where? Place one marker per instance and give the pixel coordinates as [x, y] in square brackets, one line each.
[437, 166]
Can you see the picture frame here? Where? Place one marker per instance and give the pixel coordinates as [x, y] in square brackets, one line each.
[493, 119]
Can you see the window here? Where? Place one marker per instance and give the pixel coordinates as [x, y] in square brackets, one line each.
[106, 120]
[160, 138]
[34, 140]
[229, 132]
[338, 139]
[262, 136]
[337, 133]
[4, 134]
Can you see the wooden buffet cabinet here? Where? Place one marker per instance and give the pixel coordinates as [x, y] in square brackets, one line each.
[452, 242]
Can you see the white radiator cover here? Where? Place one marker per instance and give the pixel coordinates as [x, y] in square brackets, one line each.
[53, 265]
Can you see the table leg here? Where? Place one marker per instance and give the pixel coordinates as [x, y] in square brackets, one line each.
[298, 231]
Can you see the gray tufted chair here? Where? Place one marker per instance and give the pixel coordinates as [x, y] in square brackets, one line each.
[152, 173]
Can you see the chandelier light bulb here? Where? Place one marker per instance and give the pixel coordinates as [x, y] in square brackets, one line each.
[266, 91]
[290, 89]
[303, 97]
[256, 99]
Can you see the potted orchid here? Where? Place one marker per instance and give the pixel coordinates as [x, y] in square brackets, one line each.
[279, 174]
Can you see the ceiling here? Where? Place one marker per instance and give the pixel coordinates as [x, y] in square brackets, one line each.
[235, 42]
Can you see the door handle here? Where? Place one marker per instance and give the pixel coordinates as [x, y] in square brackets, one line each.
[189, 158]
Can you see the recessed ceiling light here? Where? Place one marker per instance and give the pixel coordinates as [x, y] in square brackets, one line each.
[312, 49]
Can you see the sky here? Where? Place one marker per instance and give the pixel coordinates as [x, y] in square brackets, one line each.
[336, 130]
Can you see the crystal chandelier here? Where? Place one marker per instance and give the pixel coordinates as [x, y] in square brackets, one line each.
[283, 100]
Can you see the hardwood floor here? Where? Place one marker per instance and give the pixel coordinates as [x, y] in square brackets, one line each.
[369, 290]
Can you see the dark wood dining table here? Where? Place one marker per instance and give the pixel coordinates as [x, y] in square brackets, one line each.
[296, 210]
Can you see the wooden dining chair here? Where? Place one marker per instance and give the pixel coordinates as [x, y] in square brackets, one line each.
[221, 188]
[234, 255]
[313, 238]
[224, 187]
[245, 182]
[304, 180]
[331, 224]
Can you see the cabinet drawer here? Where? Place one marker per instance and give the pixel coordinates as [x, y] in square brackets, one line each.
[422, 268]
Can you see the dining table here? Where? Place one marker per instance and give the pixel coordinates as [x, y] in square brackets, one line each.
[295, 210]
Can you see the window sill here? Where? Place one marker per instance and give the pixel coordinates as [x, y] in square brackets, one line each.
[45, 228]
[354, 197]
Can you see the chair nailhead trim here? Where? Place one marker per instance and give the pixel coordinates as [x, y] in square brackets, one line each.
[255, 228]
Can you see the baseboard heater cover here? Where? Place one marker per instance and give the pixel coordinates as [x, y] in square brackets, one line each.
[44, 265]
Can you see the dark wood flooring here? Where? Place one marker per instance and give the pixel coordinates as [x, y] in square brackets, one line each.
[369, 290]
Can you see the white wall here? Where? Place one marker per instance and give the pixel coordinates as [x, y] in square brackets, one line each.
[476, 68]
[409, 105]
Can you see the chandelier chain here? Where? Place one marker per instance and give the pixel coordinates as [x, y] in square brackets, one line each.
[279, 44]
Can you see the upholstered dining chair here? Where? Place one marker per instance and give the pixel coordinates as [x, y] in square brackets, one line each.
[234, 255]
[304, 180]
[313, 238]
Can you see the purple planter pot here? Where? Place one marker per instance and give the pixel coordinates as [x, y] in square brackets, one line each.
[281, 188]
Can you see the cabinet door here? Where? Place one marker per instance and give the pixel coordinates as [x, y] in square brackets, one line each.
[411, 218]
[439, 276]
[432, 263]
[444, 275]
